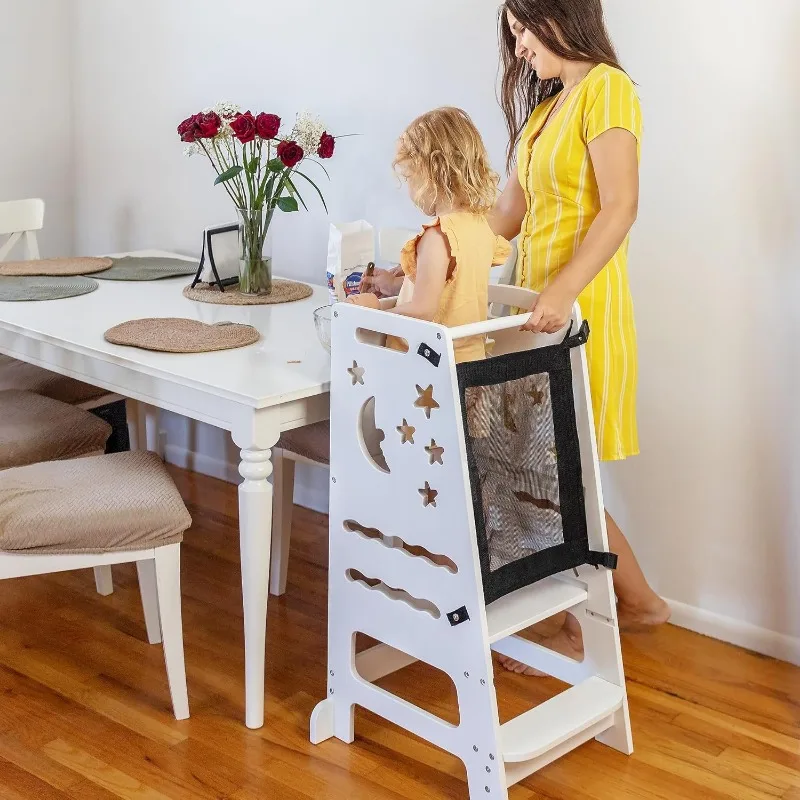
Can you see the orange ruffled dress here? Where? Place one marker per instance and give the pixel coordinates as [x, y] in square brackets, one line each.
[475, 249]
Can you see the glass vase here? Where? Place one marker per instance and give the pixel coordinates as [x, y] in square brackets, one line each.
[255, 250]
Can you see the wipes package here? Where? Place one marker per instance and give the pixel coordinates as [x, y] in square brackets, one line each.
[351, 249]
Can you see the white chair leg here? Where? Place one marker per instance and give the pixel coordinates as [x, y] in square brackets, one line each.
[282, 507]
[149, 591]
[134, 424]
[152, 419]
[168, 579]
[104, 580]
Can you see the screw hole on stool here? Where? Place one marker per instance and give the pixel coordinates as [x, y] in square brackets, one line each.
[466, 674]
[488, 769]
[475, 748]
[491, 757]
[483, 682]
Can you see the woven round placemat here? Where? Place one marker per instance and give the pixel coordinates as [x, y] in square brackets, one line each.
[55, 267]
[177, 335]
[282, 292]
[36, 287]
[147, 268]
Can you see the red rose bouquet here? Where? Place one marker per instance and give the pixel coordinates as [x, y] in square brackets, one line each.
[259, 168]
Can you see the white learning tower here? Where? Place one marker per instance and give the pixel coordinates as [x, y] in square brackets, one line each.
[406, 565]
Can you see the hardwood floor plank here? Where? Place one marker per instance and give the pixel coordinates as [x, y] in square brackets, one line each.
[85, 713]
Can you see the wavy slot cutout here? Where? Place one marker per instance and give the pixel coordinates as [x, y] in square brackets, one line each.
[371, 437]
[375, 339]
[396, 543]
[397, 595]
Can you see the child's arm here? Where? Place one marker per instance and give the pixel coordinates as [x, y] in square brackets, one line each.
[433, 265]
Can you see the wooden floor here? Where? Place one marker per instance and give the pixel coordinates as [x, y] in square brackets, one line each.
[84, 707]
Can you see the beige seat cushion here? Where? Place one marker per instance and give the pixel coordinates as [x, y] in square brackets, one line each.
[19, 375]
[312, 442]
[35, 428]
[123, 501]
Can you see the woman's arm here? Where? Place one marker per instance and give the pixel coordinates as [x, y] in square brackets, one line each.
[506, 217]
[433, 265]
[615, 161]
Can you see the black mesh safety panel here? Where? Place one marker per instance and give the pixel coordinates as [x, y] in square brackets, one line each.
[524, 462]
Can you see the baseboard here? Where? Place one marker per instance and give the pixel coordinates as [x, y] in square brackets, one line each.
[306, 493]
[734, 631]
[202, 463]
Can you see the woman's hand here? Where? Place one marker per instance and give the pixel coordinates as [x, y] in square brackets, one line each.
[383, 282]
[551, 311]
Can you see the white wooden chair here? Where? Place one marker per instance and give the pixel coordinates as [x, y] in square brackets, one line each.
[21, 219]
[19, 222]
[130, 494]
[310, 445]
[406, 566]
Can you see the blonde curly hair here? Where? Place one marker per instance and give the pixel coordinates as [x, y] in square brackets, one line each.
[444, 156]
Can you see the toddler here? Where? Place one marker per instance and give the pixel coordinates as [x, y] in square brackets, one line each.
[446, 267]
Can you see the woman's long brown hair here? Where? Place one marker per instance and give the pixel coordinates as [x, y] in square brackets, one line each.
[572, 29]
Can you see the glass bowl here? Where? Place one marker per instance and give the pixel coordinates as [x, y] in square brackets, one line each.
[322, 324]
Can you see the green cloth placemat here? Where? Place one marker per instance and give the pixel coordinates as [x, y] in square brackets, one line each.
[147, 268]
[44, 288]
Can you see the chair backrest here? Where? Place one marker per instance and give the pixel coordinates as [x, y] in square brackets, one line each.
[20, 218]
[391, 242]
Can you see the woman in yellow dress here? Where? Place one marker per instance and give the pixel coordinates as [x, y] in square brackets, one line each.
[575, 125]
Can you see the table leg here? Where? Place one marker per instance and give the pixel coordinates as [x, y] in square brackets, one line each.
[255, 532]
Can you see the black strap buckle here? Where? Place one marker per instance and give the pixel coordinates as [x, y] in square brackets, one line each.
[607, 560]
[580, 338]
[429, 354]
[458, 616]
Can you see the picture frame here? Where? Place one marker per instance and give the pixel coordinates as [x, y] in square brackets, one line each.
[219, 261]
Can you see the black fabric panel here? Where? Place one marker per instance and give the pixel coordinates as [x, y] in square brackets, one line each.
[574, 552]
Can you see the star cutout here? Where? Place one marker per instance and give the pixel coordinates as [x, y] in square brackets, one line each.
[357, 373]
[425, 400]
[428, 496]
[537, 395]
[435, 452]
[406, 432]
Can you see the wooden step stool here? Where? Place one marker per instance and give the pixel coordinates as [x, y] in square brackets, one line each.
[406, 553]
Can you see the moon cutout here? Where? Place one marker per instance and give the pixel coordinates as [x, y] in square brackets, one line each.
[371, 437]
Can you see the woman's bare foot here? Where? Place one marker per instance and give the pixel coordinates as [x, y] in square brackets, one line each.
[567, 642]
[639, 619]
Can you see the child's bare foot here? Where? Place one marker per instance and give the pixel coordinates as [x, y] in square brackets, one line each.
[567, 642]
[634, 619]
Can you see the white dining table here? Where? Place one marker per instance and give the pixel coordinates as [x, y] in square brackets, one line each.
[255, 392]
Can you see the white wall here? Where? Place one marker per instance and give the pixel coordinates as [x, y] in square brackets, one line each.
[709, 505]
[712, 504]
[365, 67]
[35, 103]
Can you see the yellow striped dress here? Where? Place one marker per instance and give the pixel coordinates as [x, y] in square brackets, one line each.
[555, 170]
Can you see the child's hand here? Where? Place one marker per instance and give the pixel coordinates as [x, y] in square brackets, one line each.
[366, 300]
[383, 282]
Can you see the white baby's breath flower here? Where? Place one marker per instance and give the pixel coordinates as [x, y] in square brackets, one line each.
[307, 132]
[226, 110]
[192, 149]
